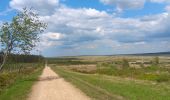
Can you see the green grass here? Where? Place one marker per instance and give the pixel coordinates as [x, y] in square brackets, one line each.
[101, 87]
[20, 89]
[151, 73]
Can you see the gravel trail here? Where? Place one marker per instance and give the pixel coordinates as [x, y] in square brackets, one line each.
[51, 87]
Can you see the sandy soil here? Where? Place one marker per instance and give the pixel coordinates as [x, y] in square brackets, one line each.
[51, 87]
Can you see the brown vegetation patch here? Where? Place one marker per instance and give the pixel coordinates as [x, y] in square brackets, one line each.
[90, 69]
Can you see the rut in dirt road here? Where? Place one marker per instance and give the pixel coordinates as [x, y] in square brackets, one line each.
[51, 87]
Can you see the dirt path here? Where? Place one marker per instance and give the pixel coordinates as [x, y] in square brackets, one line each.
[51, 87]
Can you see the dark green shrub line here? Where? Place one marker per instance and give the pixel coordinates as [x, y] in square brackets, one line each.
[68, 61]
[21, 58]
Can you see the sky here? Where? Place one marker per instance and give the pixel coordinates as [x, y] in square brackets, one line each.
[97, 27]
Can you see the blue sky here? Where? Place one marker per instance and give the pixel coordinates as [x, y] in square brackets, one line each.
[98, 27]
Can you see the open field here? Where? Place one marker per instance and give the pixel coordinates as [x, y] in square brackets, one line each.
[117, 77]
[99, 77]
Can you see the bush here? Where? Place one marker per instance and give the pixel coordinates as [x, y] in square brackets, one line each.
[106, 71]
[6, 79]
[155, 61]
[163, 78]
[125, 63]
[149, 76]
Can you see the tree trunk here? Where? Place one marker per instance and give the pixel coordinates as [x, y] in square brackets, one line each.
[3, 61]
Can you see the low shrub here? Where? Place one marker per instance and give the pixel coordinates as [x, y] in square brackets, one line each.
[125, 63]
[163, 78]
[148, 76]
[6, 79]
[83, 70]
[106, 71]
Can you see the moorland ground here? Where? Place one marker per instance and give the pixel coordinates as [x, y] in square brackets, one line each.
[117, 77]
[99, 77]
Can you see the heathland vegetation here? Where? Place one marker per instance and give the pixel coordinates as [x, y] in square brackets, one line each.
[117, 77]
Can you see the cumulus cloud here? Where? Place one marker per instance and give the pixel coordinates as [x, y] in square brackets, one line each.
[83, 27]
[125, 4]
[53, 36]
[50, 39]
[91, 29]
[44, 7]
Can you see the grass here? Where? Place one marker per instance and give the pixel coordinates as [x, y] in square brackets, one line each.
[21, 87]
[10, 73]
[101, 87]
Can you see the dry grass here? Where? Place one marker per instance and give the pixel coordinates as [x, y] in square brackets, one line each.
[89, 69]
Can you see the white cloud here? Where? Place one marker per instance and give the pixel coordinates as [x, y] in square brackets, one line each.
[125, 4]
[50, 39]
[94, 13]
[52, 36]
[43, 6]
[87, 28]
[100, 30]
[79, 25]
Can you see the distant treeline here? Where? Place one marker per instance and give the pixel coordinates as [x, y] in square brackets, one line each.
[68, 61]
[15, 58]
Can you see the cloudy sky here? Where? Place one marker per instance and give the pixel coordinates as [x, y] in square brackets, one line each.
[98, 27]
